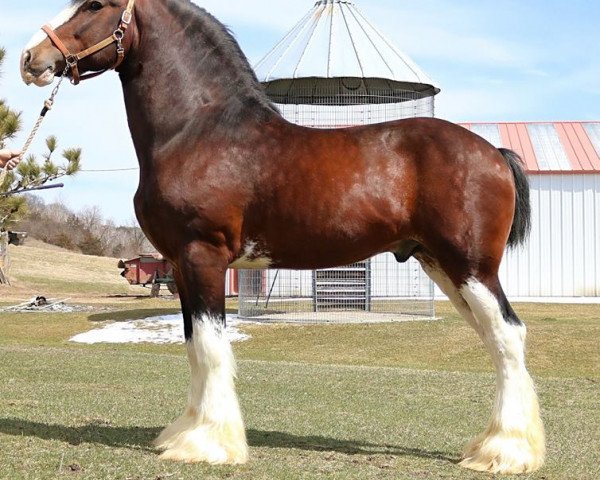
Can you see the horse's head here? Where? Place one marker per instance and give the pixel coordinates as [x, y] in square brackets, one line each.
[90, 35]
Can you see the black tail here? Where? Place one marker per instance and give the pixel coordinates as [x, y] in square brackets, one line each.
[522, 222]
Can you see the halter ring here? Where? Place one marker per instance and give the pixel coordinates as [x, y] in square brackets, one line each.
[71, 60]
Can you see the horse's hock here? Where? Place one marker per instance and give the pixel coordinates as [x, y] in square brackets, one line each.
[310, 94]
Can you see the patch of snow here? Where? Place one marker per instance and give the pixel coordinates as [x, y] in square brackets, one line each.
[162, 330]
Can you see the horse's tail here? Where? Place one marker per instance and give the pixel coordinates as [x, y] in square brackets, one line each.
[522, 220]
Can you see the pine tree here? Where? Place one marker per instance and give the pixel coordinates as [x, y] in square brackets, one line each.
[30, 172]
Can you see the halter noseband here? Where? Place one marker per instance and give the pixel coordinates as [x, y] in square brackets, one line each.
[73, 60]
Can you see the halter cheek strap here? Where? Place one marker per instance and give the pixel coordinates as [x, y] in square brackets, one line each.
[74, 59]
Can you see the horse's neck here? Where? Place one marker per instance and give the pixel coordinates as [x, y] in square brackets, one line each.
[175, 85]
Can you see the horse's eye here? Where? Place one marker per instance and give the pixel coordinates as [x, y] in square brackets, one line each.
[95, 6]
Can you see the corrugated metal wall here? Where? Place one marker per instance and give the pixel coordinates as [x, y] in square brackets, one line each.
[562, 257]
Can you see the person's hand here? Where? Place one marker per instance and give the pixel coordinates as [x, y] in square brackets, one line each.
[9, 158]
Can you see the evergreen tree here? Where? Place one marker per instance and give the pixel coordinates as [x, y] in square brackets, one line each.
[30, 172]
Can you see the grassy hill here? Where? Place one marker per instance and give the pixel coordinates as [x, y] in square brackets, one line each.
[38, 268]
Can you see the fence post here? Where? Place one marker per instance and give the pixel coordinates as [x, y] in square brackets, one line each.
[4, 259]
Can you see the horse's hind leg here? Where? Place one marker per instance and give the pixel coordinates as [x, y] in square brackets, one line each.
[433, 269]
[514, 439]
[211, 428]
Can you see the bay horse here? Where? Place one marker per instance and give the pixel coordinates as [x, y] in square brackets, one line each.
[226, 182]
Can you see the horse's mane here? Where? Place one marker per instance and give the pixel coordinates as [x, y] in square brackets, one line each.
[198, 21]
[244, 93]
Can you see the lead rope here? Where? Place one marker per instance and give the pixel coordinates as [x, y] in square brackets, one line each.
[48, 104]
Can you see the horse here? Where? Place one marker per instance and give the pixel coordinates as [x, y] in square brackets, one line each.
[227, 182]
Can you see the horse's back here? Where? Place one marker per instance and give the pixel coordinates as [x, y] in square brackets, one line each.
[429, 142]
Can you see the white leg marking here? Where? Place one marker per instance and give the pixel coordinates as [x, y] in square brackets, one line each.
[211, 429]
[514, 441]
[442, 280]
[62, 18]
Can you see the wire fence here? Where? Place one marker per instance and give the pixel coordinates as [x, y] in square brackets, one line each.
[328, 116]
[345, 102]
[379, 289]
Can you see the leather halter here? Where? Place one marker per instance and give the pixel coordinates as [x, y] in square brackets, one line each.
[74, 59]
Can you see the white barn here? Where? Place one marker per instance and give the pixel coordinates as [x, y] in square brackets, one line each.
[562, 257]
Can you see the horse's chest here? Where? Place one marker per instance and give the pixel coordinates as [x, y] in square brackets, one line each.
[157, 213]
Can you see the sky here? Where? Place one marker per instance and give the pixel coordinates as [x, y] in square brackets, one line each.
[527, 60]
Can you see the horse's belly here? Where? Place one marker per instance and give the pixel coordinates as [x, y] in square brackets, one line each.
[304, 247]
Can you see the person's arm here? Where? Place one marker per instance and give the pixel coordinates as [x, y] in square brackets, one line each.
[9, 158]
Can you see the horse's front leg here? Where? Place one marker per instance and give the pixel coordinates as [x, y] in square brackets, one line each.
[211, 429]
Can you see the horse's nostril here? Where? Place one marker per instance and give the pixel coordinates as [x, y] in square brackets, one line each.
[27, 57]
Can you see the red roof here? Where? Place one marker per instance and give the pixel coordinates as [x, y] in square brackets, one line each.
[547, 147]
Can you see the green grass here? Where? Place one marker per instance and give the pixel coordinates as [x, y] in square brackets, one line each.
[383, 401]
[387, 401]
[556, 332]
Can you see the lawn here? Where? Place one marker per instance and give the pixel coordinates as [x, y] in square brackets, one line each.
[382, 401]
[38, 268]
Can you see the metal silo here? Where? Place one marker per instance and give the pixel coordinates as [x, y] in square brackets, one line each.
[334, 69]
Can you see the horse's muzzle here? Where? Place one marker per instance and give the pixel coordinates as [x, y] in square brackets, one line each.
[37, 68]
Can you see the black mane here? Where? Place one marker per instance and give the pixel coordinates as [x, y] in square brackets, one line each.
[201, 24]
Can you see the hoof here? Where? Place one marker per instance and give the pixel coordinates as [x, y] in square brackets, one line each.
[505, 454]
[190, 442]
[188, 451]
